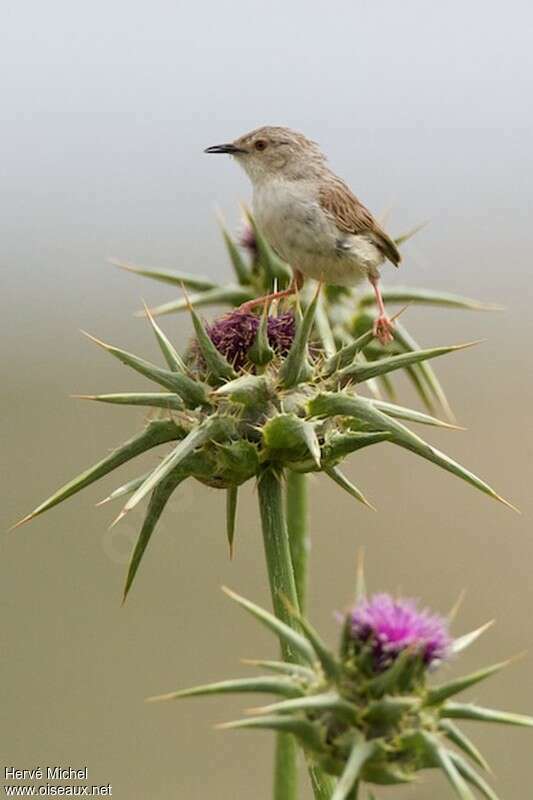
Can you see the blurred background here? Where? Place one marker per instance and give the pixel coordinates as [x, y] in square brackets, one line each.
[106, 108]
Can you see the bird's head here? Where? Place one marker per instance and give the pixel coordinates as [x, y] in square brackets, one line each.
[273, 152]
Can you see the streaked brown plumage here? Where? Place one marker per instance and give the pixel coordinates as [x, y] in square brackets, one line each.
[351, 216]
[310, 216]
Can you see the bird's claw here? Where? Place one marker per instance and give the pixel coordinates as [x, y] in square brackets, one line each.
[383, 329]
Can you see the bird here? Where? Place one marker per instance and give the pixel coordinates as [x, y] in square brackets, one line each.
[311, 217]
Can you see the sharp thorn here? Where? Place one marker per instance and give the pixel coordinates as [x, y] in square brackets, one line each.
[454, 610]
[117, 520]
[400, 312]
[22, 521]
[95, 340]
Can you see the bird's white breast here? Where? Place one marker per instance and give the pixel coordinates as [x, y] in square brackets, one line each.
[295, 225]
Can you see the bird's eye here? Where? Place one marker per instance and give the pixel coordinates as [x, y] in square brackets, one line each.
[260, 144]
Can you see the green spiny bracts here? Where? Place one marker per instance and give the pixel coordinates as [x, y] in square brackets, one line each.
[343, 315]
[370, 713]
[260, 395]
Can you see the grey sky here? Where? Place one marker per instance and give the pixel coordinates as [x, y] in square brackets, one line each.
[106, 108]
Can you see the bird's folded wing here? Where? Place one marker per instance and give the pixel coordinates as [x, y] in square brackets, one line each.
[351, 216]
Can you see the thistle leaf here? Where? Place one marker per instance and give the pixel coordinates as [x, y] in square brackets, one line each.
[305, 731]
[415, 376]
[390, 679]
[339, 445]
[424, 371]
[405, 294]
[465, 641]
[283, 668]
[372, 384]
[361, 408]
[193, 393]
[439, 694]
[211, 428]
[461, 740]
[239, 264]
[231, 512]
[341, 480]
[347, 354]
[362, 372]
[219, 296]
[170, 354]
[324, 329]
[327, 701]
[327, 660]
[400, 412]
[467, 772]
[390, 709]
[166, 275]
[262, 684]
[296, 367]
[387, 387]
[387, 774]
[445, 761]
[261, 353]
[246, 390]
[476, 713]
[286, 432]
[283, 632]
[126, 488]
[404, 237]
[150, 399]
[361, 752]
[217, 364]
[158, 501]
[157, 432]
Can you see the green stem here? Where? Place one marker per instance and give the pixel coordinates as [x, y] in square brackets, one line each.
[286, 768]
[277, 551]
[282, 585]
[298, 527]
[354, 794]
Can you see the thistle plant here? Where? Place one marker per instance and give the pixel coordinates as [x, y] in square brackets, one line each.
[370, 714]
[254, 398]
[271, 397]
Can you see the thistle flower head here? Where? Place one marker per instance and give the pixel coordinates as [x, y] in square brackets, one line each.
[235, 333]
[392, 626]
[362, 722]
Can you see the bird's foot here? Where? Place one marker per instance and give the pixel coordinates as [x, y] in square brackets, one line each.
[383, 329]
[267, 298]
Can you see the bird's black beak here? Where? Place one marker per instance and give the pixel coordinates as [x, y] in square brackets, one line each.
[232, 149]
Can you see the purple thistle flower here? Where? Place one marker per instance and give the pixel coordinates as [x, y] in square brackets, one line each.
[392, 626]
[234, 334]
[248, 241]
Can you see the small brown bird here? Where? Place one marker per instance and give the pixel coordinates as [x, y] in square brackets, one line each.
[310, 216]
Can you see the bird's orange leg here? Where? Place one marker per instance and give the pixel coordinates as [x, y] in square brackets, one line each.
[296, 285]
[383, 326]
